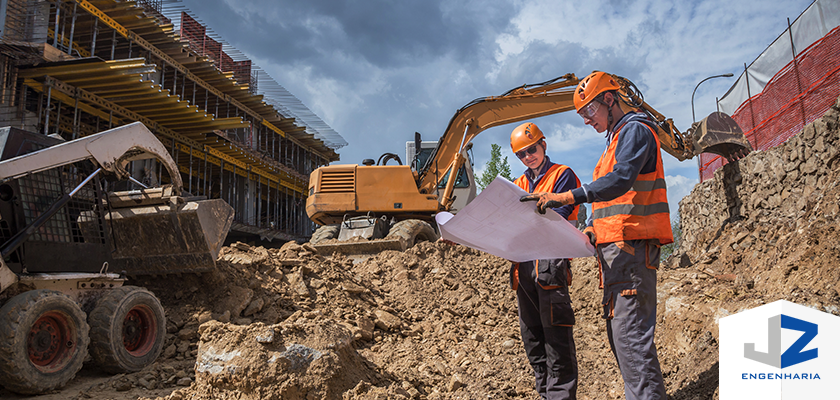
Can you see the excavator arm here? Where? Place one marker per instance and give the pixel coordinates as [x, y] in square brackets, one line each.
[519, 104]
[717, 133]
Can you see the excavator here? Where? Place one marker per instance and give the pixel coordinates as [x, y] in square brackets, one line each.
[368, 208]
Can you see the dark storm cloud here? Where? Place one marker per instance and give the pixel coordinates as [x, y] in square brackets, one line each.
[385, 34]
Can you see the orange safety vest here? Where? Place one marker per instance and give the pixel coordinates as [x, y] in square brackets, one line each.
[642, 212]
[546, 184]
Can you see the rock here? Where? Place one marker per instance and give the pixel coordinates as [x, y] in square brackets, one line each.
[352, 288]
[308, 247]
[239, 259]
[183, 346]
[149, 385]
[266, 337]
[224, 317]
[455, 383]
[236, 302]
[402, 275]
[254, 307]
[188, 333]
[298, 283]
[169, 352]
[290, 247]
[204, 317]
[241, 246]
[387, 321]
[366, 327]
[186, 381]
[122, 385]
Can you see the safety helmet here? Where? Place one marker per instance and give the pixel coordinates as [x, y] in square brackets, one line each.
[590, 87]
[524, 136]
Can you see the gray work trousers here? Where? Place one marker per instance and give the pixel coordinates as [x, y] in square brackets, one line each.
[628, 273]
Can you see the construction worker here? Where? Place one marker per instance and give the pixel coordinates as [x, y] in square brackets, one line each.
[542, 286]
[629, 222]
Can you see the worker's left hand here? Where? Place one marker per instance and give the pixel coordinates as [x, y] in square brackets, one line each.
[549, 200]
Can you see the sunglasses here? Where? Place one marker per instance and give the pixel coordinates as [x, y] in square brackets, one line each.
[589, 110]
[522, 153]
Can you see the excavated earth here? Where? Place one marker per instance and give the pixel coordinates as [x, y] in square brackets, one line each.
[439, 321]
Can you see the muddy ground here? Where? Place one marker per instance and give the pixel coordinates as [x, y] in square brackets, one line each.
[439, 321]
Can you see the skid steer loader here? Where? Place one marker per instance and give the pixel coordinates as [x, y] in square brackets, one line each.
[68, 244]
[393, 205]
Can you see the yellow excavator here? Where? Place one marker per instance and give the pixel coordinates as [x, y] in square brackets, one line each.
[368, 208]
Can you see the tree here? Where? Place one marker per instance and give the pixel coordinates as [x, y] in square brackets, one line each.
[670, 249]
[496, 166]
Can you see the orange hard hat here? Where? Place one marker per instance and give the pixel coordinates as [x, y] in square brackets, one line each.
[524, 136]
[590, 87]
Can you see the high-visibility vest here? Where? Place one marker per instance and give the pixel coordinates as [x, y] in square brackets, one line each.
[546, 184]
[642, 212]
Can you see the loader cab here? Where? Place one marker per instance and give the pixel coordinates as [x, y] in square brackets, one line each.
[465, 186]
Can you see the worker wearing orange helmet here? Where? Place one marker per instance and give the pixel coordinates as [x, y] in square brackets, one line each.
[630, 221]
[542, 286]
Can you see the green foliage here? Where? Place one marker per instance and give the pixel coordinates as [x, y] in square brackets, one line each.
[496, 166]
[669, 249]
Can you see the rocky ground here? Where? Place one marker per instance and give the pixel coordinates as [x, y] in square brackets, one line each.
[439, 321]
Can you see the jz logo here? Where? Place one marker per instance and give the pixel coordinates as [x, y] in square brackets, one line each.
[794, 354]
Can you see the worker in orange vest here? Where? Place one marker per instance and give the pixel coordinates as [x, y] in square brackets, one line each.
[542, 286]
[630, 221]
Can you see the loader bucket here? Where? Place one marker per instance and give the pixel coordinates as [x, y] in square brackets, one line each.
[720, 134]
[166, 239]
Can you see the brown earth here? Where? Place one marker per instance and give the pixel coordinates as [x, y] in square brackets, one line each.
[439, 321]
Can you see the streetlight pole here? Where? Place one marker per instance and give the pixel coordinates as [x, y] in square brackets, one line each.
[693, 119]
[729, 75]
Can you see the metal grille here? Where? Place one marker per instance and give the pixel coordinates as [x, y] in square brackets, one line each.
[77, 221]
[338, 181]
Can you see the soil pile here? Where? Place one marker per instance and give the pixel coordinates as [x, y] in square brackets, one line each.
[439, 321]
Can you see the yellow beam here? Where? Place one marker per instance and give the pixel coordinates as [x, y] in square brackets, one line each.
[83, 95]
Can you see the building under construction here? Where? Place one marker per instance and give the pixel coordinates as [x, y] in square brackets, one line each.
[78, 67]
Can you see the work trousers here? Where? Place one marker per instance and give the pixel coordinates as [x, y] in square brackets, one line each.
[545, 322]
[628, 273]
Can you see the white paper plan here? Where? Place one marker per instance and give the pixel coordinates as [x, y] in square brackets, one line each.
[496, 222]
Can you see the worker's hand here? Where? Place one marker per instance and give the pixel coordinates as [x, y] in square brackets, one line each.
[590, 232]
[549, 200]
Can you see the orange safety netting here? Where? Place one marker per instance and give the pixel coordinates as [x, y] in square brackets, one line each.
[798, 94]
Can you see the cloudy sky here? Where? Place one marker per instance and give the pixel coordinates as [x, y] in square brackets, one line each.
[377, 71]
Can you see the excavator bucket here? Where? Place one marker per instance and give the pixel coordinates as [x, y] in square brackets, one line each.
[720, 134]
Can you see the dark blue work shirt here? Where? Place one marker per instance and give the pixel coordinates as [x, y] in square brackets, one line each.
[567, 181]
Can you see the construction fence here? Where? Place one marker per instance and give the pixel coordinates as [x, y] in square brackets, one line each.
[792, 83]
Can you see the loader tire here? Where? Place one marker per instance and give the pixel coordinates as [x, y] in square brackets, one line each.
[127, 330]
[413, 231]
[43, 341]
[324, 232]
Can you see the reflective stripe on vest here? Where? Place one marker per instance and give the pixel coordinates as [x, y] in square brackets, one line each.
[546, 184]
[642, 212]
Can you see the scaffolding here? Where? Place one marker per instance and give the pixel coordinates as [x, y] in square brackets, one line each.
[77, 67]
